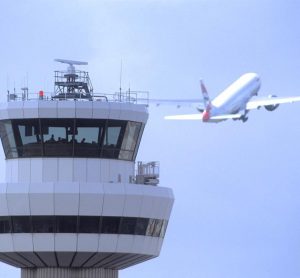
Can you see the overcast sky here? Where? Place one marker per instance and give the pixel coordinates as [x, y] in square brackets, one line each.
[236, 185]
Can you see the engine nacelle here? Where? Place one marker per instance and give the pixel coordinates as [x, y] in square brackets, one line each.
[273, 106]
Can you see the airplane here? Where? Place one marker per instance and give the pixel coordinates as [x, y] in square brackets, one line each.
[234, 102]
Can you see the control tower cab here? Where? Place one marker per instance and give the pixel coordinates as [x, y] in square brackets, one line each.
[74, 203]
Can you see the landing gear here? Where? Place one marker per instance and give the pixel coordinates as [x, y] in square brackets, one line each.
[244, 117]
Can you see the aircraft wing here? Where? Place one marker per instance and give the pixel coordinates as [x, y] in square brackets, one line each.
[177, 102]
[257, 103]
[199, 117]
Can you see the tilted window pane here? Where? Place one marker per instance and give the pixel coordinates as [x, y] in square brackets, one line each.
[157, 227]
[58, 137]
[131, 136]
[8, 140]
[150, 228]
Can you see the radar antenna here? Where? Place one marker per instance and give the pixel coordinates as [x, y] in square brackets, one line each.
[72, 83]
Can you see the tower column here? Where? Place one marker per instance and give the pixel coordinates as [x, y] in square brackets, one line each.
[68, 273]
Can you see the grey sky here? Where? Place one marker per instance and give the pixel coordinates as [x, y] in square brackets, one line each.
[236, 185]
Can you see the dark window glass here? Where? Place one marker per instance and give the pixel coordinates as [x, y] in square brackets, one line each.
[110, 225]
[150, 228]
[21, 224]
[157, 227]
[89, 224]
[28, 137]
[88, 135]
[5, 224]
[130, 140]
[141, 226]
[8, 140]
[66, 224]
[128, 225]
[43, 224]
[58, 137]
[163, 228]
[114, 132]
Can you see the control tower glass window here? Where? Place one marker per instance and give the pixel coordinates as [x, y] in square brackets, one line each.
[28, 137]
[88, 136]
[98, 138]
[8, 140]
[58, 137]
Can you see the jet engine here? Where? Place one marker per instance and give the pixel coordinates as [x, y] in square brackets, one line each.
[273, 106]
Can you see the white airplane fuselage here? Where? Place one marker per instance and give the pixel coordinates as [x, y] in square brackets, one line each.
[234, 98]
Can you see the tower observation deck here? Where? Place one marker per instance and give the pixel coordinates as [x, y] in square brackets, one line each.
[74, 202]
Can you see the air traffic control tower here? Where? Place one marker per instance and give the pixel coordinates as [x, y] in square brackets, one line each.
[74, 202]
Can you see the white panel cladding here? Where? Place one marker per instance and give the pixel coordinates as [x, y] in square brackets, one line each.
[93, 170]
[100, 110]
[156, 202]
[73, 198]
[36, 169]
[3, 200]
[18, 198]
[15, 109]
[104, 170]
[73, 109]
[160, 202]
[133, 200]
[125, 243]
[114, 112]
[126, 112]
[22, 242]
[107, 243]
[150, 245]
[66, 109]
[4, 110]
[66, 198]
[87, 243]
[50, 169]
[15, 170]
[43, 242]
[91, 199]
[31, 109]
[65, 242]
[114, 199]
[53, 169]
[65, 169]
[41, 198]
[6, 243]
[138, 244]
[47, 109]
[84, 109]
[80, 169]
[8, 169]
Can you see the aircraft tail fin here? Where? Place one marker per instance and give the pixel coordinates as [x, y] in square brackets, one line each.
[206, 99]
